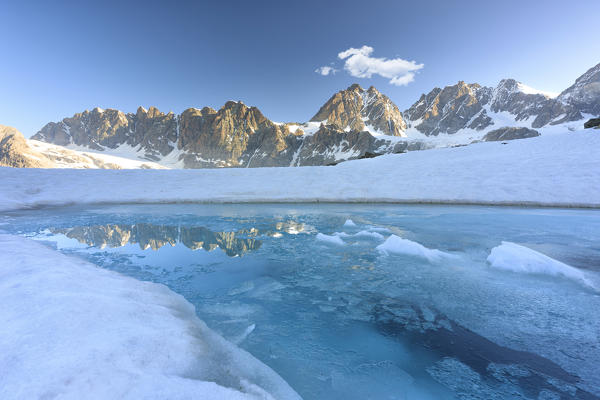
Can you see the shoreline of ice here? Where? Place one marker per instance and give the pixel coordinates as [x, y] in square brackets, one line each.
[133, 339]
[559, 170]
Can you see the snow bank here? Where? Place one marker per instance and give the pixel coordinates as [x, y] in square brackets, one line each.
[71, 330]
[513, 257]
[397, 245]
[553, 170]
[330, 239]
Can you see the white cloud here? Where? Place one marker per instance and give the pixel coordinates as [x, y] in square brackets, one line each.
[359, 63]
[326, 70]
[403, 80]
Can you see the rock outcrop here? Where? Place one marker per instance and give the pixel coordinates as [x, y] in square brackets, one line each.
[450, 109]
[584, 95]
[15, 152]
[357, 109]
[509, 133]
[592, 123]
[329, 146]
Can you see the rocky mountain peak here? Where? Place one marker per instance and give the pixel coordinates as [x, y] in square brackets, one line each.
[584, 94]
[508, 84]
[154, 112]
[355, 87]
[450, 109]
[359, 110]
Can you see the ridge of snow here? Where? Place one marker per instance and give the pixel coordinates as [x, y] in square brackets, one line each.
[529, 90]
[552, 170]
[72, 156]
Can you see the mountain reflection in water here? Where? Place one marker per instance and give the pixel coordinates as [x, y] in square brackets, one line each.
[150, 236]
[154, 237]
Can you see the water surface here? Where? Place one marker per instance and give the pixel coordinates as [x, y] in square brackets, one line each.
[348, 322]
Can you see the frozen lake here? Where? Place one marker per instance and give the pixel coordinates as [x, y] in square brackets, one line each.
[309, 293]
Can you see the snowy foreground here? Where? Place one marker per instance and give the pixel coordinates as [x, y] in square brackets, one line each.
[71, 328]
[553, 170]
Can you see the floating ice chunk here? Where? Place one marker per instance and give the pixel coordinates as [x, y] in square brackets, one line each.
[244, 334]
[397, 245]
[85, 332]
[363, 234]
[331, 239]
[513, 257]
[379, 229]
[342, 234]
[349, 223]
[369, 234]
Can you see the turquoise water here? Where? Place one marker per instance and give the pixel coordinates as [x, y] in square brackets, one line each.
[348, 322]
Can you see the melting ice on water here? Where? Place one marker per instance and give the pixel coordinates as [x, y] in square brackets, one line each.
[429, 318]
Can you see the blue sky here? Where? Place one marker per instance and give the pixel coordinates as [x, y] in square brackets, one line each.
[59, 57]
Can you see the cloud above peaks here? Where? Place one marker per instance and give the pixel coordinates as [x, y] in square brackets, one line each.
[361, 64]
[326, 70]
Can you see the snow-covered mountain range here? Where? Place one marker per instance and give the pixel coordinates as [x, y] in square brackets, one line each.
[353, 123]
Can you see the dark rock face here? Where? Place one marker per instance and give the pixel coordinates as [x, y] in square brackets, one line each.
[328, 146]
[356, 109]
[509, 97]
[584, 95]
[509, 133]
[592, 123]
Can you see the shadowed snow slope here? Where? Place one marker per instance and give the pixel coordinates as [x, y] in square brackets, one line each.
[513, 257]
[71, 330]
[559, 170]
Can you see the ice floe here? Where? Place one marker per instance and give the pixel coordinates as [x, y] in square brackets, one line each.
[330, 239]
[516, 258]
[397, 245]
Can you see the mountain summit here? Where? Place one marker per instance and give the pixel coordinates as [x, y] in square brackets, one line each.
[358, 109]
